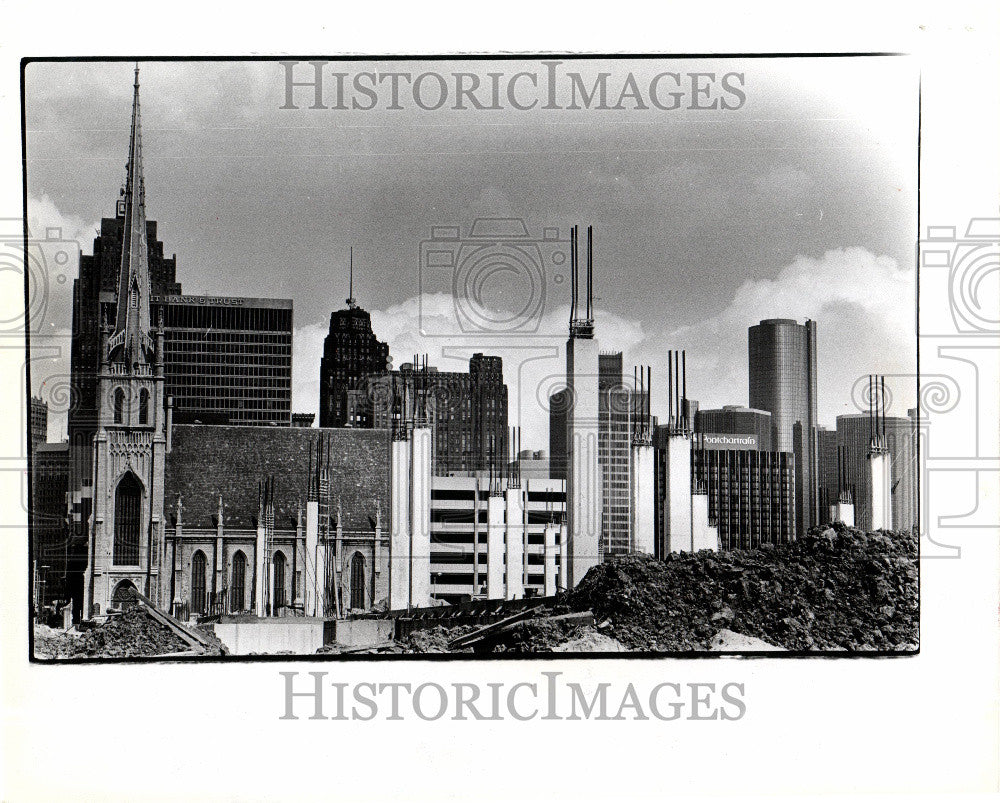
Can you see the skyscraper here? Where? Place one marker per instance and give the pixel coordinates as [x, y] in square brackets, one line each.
[467, 411]
[782, 361]
[618, 406]
[352, 354]
[227, 360]
[828, 458]
[854, 440]
[49, 480]
[733, 420]
[38, 424]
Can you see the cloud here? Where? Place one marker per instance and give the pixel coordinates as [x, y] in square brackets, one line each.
[534, 365]
[864, 308]
[862, 303]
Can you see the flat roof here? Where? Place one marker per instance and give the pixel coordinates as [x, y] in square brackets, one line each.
[223, 301]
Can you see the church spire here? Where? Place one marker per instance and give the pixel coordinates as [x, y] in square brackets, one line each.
[130, 342]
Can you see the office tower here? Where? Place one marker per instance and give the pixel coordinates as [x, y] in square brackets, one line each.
[854, 437]
[50, 546]
[751, 494]
[619, 407]
[733, 425]
[828, 461]
[782, 362]
[558, 408]
[38, 422]
[227, 360]
[352, 355]
[467, 411]
[750, 487]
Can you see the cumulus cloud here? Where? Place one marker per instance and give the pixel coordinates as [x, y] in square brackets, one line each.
[864, 308]
[862, 303]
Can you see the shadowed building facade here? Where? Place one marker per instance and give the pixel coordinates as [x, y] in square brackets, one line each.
[352, 355]
[467, 412]
[854, 440]
[224, 538]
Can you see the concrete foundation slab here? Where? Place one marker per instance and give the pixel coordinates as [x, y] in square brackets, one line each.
[362, 632]
[299, 636]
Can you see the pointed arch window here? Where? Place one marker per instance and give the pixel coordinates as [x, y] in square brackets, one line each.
[279, 581]
[143, 406]
[357, 581]
[198, 582]
[239, 582]
[128, 507]
[119, 405]
[133, 296]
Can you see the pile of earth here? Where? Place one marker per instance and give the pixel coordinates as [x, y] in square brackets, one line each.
[557, 635]
[834, 589]
[131, 633]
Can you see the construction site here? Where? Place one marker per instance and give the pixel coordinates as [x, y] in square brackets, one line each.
[838, 589]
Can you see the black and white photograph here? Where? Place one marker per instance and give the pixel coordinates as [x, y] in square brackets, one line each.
[484, 357]
[536, 402]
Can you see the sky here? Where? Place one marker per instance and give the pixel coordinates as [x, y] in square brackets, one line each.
[800, 202]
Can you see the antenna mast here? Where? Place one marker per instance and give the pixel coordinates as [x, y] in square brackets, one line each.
[351, 302]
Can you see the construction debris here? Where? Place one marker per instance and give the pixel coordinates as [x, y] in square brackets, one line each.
[133, 632]
[834, 589]
[139, 630]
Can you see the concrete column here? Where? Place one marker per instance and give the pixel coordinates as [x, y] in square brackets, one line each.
[677, 497]
[643, 505]
[311, 592]
[881, 490]
[495, 529]
[338, 560]
[583, 474]
[420, 518]
[377, 545]
[399, 525]
[842, 512]
[549, 560]
[514, 532]
[563, 560]
[703, 534]
[260, 582]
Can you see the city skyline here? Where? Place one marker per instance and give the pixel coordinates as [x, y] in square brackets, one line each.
[858, 287]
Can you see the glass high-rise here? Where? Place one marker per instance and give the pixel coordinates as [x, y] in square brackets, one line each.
[782, 361]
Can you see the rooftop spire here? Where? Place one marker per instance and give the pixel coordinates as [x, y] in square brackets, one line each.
[130, 342]
[351, 301]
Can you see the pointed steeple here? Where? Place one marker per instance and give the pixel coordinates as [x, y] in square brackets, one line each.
[131, 342]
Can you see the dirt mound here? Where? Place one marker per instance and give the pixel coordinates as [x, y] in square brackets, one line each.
[833, 589]
[556, 635]
[435, 639]
[131, 633]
